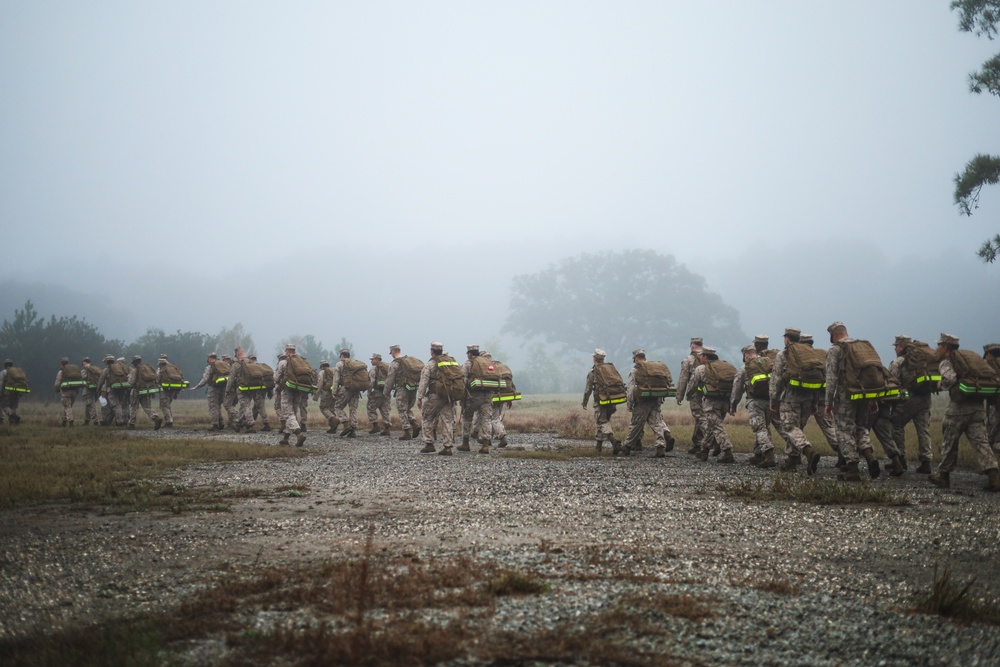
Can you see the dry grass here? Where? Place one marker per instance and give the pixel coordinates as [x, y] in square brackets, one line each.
[952, 600]
[791, 487]
[93, 465]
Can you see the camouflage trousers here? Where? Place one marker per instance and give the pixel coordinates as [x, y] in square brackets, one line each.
[794, 409]
[602, 421]
[144, 401]
[90, 406]
[499, 430]
[759, 415]
[826, 425]
[245, 417]
[646, 412]
[167, 397]
[67, 397]
[881, 426]
[346, 398]
[405, 400]
[118, 400]
[325, 399]
[258, 400]
[852, 418]
[291, 405]
[437, 412]
[478, 405]
[916, 409]
[216, 395]
[699, 435]
[970, 419]
[993, 425]
[715, 411]
[231, 403]
[378, 404]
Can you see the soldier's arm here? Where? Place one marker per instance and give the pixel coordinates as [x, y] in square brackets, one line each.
[774, 382]
[390, 378]
[335, 381]
[58, 380]
[683, 377]
[425, 380]
[589, 389]
[832, 371]
[949, 378]
[738, 387]
[204, 378]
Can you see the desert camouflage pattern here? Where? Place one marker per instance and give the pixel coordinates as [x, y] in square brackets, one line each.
[378, 399]
[963, 416]
[344, 398]
[714, 411]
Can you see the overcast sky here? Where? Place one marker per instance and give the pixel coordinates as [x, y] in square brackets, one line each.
[178, 137]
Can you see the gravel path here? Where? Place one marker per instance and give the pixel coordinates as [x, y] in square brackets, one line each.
[577, 522]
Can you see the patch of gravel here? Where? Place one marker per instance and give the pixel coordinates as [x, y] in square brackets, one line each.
[580, 523]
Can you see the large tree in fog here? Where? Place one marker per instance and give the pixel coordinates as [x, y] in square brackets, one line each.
[619, 301]
[981, 17]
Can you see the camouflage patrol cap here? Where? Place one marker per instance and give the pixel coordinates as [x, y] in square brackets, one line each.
[639, 352]
[836, 325]
[436, 345]
[289, 346]
[748, 349]
[599, 353]
[213, 355]
[226, 357]
[109, 357]
[121, 358]
[487, 355]
[376, 355]
[705, 349]
[163, 355]
[697, 341]
[324, 363]
[162, 361]
[792, 332]
[902, 340]
[344, 351]
[394, 348]
[948, 339]
[8, 362]
[252, 356]
[761, 338]
[136, 358]
[282, 356]
[992, 348]
[64, 360]
[85, 360]
[806, 338]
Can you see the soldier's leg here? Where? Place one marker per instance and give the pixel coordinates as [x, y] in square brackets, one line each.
[993, 425]
[952, 427]
[246, 419]
[67, 398]
[431, 411]
[791, 419]
[637, 425]
[922, 422]
[757, 414]
[499, 430]
[340, 400]
[976, 433]
[656, 423]
[288, 409]
[352, 404]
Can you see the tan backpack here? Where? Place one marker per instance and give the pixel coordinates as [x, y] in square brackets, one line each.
[300, 375]
[483, 375]
[72, 377]
[758, 372]
[355, 375]
[805, 367]
[863, 376]
[653, 380]
[447, 378]
[410, 369]
[507, 392]
[976, 378]
[719, 378]
[609, 389]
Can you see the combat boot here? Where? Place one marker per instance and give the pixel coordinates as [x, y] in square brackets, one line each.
[266, 429]
[703, 454]
[445, 451]
[716, 450]
[924, 468]
[873, 465]
[485, 448]
[812, 459]
[767, 459]
[334, 423]
[300, 437]
[284, 439]
[349, 432]
[694, 450]
[637, 445]
[851, 474]
[940, 479]
[897, 468]
[625, 450]
[428, 448]
[464, 447]
[756, 459]
[406, 436]
[416, 431]
[503, 441]
[727, 457]
[670, 443]
[992, 481]
[616, 446]
[385, 431]
[599, 446]
[157, 423]
[660, 452]
[791, 463]
[374, 430]
[70, 423]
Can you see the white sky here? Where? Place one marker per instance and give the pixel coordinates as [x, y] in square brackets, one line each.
[541, 128]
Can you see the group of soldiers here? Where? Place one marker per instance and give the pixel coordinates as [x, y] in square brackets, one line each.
[845, 389]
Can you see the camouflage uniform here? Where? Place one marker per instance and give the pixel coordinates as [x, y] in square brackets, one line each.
[915, 408]
[687, 389]
[963, 415]
[116, 397]
[851, 417]
[476, 404]
[758, 413]
[378, 396]
[436, 410]
[137, 400]
[714, 409]
[405, 398]
[645, 411]
[216, 394]
[991, 352]
[167, 396]
[90, 395]
[602, 413]
[67, 397]
[344, 398]
[243, 417]
[325, 397]
[794, 407]
[291, 402]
